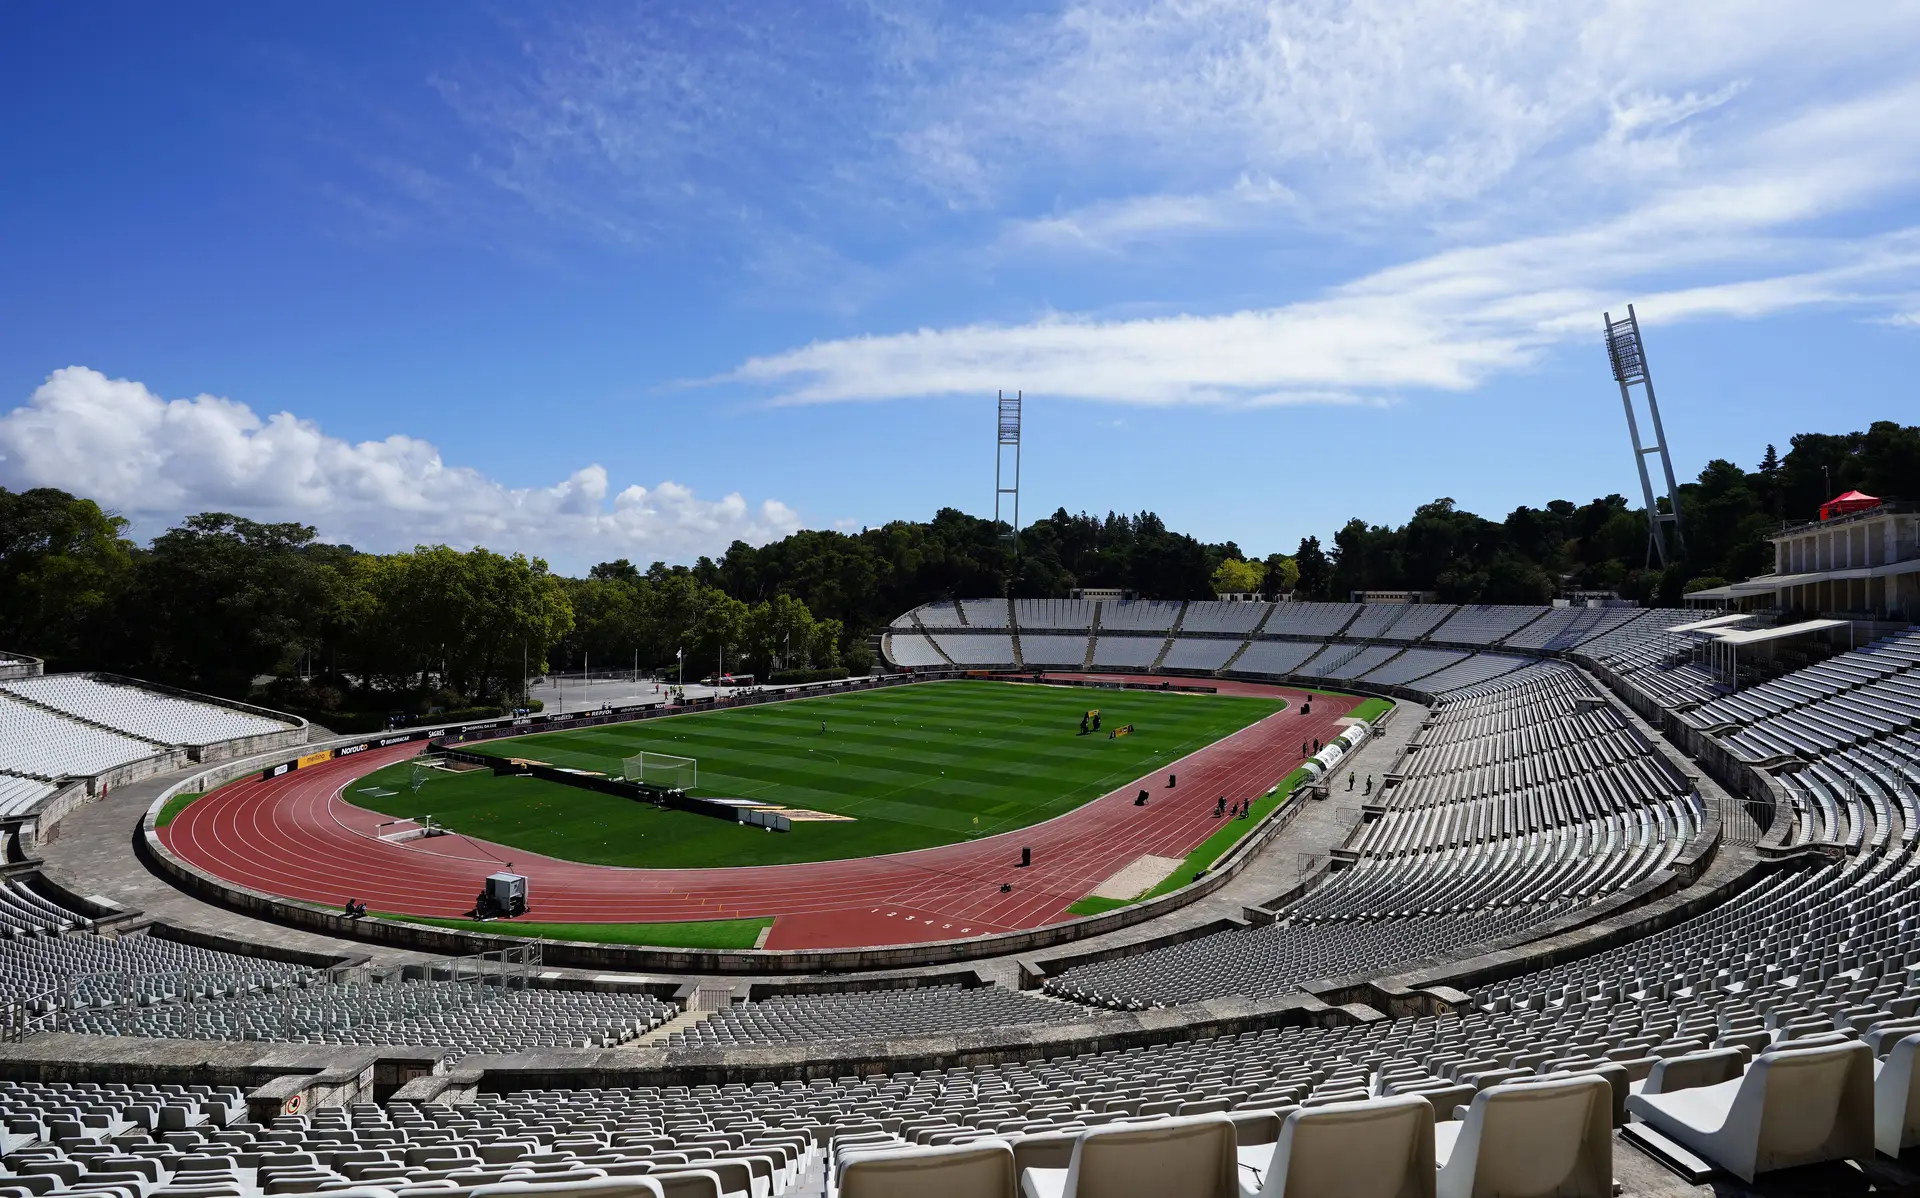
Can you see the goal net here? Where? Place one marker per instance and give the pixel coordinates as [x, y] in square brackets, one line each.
[662, 771]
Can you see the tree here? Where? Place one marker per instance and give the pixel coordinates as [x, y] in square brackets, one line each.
[1234, 576]
[64, 564]
[1281, 577]
[1316, 572]
[222, 599]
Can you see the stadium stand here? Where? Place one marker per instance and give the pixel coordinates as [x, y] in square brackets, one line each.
[985, 613]
[1418, 621]
[1484, 625]
[976, 649]
[1788, 1003]
[1415, 663]
[1126, 652]
[1191, 653]
[150, 715]
[18, 794]
[1053, 651]
[1521, 800]
[1478, 668]
[912, 650]
[1311, 619]
[935, 615]
[1375, 619]
[462, 1020]
[1355, 663]
[42, 743]
[1276, 657]
[872, 1013]
[1564, 627]
[1214, 616]
[1067, 614]
[1140, 615]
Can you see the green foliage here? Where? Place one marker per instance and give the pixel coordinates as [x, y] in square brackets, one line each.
[1371, 709]
[1234, 576]
[173, 807]
[1281, 576]
[64, 566]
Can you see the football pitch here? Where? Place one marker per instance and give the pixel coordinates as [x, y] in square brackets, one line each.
[906, 767]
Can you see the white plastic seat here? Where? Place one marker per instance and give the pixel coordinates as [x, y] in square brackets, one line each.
[981, 1169]
[1381, 1148]
[1896, 1098]
[1188, 1156]
[1549, 1137]
[1792, 1107]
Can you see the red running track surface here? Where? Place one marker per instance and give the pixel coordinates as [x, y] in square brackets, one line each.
[294, 836]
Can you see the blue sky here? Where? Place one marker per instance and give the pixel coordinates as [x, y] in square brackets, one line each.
[599, 280]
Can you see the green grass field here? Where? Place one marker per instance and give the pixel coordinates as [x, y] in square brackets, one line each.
[914, 766]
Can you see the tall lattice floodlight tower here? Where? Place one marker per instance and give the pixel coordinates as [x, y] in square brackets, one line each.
[1008, 445]
[1629, 358]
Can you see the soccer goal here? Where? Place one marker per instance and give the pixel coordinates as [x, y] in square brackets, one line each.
[661, 771]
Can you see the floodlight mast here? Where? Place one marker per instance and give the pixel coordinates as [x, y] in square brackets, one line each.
[1009, 439]
[1628, 356]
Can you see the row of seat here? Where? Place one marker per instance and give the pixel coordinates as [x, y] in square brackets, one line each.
[150, 715]
[796, 1019]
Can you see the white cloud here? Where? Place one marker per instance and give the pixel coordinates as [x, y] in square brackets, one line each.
[154, 460]
[1734, 236]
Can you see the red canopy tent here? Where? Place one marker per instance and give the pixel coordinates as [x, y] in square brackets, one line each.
[1847, 503]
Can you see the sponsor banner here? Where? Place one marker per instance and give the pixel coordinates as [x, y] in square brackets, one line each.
[303, 762]
[350, 750]
[274, 771]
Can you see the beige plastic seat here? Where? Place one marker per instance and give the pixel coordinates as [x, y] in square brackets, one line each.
[1896, 1098]
[982, 1169]
[1380, 1148]
[1793, 1106]
[589, 1187]
[688, 1183]
[1551, 1138]
[1695, 1069]
[1187, 1156]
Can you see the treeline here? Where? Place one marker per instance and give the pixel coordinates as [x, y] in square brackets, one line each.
[220, 601]
[1536, 553]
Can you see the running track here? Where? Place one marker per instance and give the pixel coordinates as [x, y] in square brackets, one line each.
[294, 836]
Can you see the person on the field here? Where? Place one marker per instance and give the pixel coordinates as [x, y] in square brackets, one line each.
[1369, 789]
[1220, 807]
[1349, 780]
[1303, 748]
[1316, 744]
[823, 727]
[1169, 779]
[1141, 801]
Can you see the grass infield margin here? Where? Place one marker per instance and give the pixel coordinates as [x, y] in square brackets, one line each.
[1205, 853]
[174, 806]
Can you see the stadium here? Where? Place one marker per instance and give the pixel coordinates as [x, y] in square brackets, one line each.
[1163, 870]
[513, 683]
